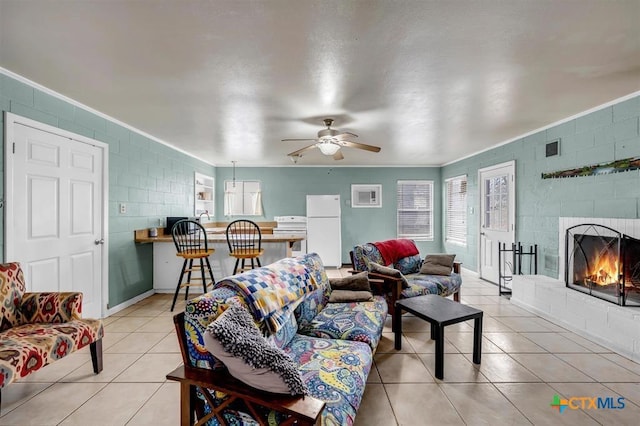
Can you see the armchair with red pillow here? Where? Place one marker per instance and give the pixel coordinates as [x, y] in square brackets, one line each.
[405, 273]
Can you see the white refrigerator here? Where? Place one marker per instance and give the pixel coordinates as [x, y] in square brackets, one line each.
[324, 234]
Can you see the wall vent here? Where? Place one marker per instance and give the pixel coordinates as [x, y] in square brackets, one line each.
[552, 148]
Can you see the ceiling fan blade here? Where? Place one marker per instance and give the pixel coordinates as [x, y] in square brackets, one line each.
[338, 156]
[297, 140]
[300, 151]
[344, 135]
[360, 146]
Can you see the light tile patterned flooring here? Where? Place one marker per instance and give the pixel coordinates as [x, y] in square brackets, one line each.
[526, 360]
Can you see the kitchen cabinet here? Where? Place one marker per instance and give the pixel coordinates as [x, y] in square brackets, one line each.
[204, 195]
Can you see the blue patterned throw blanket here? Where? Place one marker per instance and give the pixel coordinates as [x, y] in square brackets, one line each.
[272, 292]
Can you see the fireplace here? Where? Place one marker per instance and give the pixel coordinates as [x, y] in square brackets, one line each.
[604, 263]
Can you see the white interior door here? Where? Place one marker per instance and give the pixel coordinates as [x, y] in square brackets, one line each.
[55, 186]
[497, 215]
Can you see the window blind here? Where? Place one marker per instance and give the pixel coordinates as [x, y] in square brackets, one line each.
[415, 209]
[456, 210]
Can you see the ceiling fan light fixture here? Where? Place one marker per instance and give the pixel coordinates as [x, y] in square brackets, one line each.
[329, 142]
[328, 148]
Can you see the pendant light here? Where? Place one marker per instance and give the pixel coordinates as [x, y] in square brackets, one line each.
[234, 173]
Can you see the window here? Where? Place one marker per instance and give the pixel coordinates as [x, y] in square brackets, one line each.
[456, 210]
[415, 209]
[242, 198]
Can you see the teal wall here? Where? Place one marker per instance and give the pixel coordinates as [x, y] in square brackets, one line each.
[156, 181]
[608, 134]
[152, 179]
[285, 188]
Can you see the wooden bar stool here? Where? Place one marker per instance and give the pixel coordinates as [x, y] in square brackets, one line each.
[245, 242]
[191, 243]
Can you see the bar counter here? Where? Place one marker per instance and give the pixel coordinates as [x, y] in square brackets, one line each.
[167, 266]
[214, 237]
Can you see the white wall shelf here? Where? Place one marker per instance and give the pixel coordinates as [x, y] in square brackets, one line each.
[204, 194]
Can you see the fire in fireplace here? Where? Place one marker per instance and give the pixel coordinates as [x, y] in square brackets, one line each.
[599, 263]
[604, 263]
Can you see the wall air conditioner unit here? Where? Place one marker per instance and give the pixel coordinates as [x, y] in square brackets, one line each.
[366, 196]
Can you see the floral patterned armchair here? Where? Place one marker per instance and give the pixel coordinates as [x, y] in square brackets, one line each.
[37, 329]
[403, 278]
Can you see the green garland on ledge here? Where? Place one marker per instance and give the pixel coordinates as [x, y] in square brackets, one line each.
[626, 165]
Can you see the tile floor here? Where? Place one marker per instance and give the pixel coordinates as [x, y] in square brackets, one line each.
[526, 360]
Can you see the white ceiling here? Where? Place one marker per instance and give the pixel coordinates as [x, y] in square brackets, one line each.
[427, 81]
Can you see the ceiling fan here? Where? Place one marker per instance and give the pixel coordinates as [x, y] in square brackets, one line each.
[329, 142]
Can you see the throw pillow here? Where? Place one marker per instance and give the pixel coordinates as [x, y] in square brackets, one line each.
[390, 272]
[234, 339]
[438, 264]
[345, 296]
[355, 282]
[354, 288]
[409, 264]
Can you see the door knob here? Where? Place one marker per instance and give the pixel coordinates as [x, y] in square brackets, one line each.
[100, 241]
[482, 233]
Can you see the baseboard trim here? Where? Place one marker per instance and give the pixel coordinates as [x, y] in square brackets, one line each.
[469, 272]
[130, 302]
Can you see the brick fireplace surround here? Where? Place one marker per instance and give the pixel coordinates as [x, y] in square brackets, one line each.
[612, 326]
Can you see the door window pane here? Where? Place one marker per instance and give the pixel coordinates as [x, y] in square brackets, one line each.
[496, 203]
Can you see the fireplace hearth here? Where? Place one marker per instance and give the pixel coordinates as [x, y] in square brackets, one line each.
[604, 263]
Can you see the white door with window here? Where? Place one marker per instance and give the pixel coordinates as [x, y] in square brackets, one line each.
[497, 215]
[55, 210]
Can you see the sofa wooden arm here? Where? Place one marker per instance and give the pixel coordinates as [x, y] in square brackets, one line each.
[304, 410]
[393, 284]
[382, 284]
[389, 287]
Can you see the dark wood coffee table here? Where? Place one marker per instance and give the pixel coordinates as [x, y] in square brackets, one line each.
[439, 312]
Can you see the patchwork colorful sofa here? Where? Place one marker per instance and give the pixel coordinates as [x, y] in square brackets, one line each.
[40, 328]
[332, 345]
[407, 268]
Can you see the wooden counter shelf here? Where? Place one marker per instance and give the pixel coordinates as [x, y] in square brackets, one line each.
[213, 235]
[166, 265]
